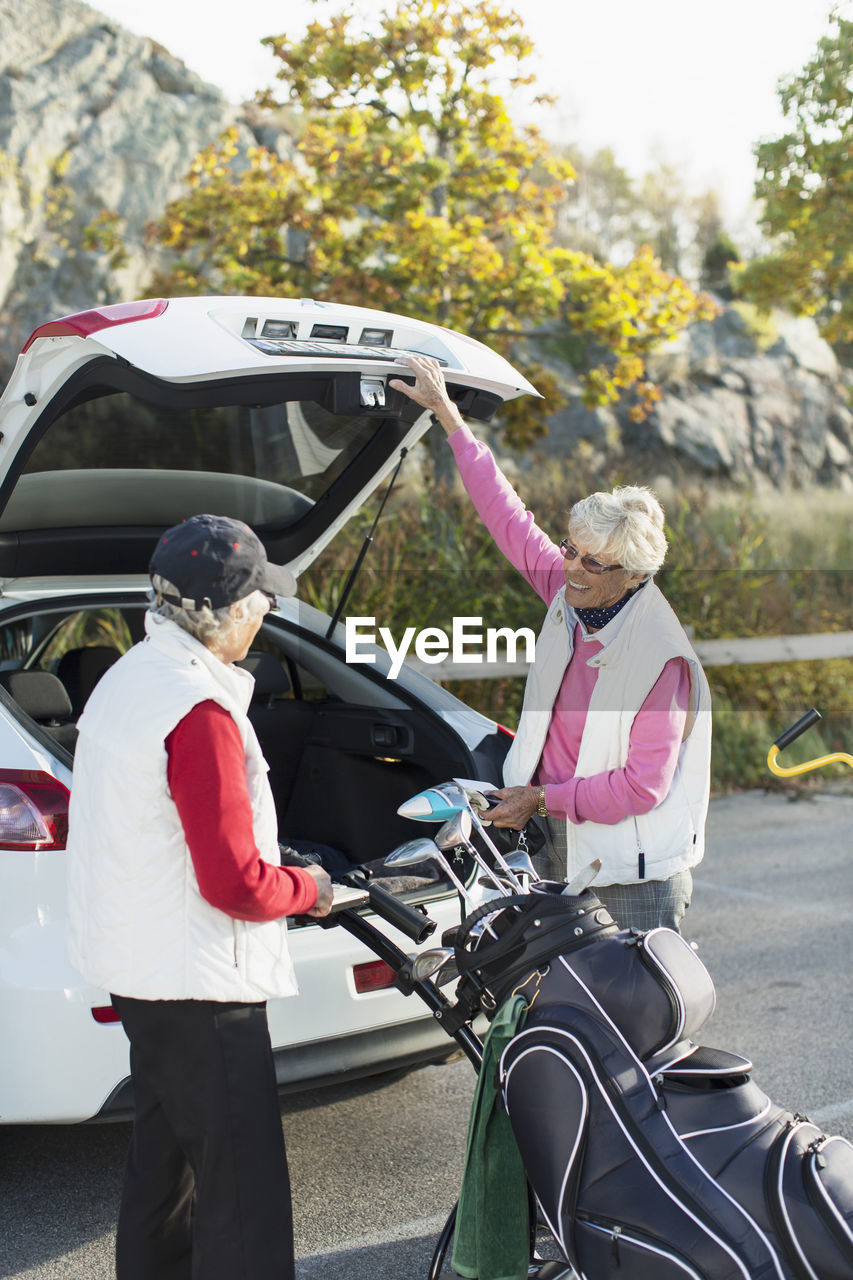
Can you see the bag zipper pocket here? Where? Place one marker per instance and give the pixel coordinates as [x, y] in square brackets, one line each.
[622, 1239]
[815, 1160]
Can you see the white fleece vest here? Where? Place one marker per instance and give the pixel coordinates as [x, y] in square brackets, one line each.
[671, 837]
[138, 925]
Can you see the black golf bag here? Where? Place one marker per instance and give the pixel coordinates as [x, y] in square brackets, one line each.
[652, 1158]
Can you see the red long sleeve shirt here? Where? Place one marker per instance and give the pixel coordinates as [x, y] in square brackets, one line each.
[207, 779]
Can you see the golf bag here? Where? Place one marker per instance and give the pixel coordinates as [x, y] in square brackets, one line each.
[652, 1158]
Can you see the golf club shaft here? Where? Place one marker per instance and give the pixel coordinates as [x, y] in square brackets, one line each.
[459, 886]
[499, 858]
[484, 866]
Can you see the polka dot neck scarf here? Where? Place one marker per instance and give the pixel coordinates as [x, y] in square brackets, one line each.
[598, 618]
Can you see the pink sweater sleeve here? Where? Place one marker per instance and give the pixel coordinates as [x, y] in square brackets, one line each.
[516, 533]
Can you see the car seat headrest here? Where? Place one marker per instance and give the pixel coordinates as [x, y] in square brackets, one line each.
[81, 669]
[40, 694]
[270, 676]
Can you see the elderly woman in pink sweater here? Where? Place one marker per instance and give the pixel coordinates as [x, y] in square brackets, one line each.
[612, 752]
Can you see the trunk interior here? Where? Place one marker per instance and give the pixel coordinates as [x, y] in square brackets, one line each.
[343, 748]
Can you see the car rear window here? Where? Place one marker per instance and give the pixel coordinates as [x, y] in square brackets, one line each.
[117, 460]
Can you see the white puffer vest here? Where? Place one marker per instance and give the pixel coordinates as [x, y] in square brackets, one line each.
[138, 925]
[671, 837]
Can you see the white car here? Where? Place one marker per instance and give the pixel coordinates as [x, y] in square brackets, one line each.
[117, 423]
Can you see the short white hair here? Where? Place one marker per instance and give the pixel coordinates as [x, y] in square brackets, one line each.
[625, 526]
[209, 626]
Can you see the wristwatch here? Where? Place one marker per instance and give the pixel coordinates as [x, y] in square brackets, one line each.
[541, 808]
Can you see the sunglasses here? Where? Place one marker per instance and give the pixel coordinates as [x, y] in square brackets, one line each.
[589, 562]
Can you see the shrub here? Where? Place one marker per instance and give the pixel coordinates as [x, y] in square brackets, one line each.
[739, 565]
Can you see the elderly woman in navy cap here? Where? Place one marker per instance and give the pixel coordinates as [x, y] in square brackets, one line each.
[177, 902]
[612, 752]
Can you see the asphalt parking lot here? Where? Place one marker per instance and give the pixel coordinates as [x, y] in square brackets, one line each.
[375, 1166]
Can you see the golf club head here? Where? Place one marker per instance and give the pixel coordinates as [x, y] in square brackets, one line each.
[456, 831]
[491, 883]
[429, 962]
[406, 855]
[582, 880]
[436, 804]
[520, 862]
[448, 972]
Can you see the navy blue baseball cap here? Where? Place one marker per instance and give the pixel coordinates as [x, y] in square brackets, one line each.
[216, 561]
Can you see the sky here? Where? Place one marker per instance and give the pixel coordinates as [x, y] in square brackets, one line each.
[688, 84]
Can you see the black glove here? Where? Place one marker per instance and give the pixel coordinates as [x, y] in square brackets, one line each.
[290, 858]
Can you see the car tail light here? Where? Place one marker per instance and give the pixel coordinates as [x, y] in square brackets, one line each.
[33, 810]
[84, 323]
[373, 975]
[105, 1013]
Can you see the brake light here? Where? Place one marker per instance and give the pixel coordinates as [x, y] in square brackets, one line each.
[33, 810]
[84, 323]
[105, 1013]
[373, 975]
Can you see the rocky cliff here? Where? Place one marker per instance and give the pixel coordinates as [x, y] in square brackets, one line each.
[93, 118]
[742, 405]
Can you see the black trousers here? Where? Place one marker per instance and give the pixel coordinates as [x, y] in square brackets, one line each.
[207, 1192]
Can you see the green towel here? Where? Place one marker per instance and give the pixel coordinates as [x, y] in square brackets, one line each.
[492, 1236]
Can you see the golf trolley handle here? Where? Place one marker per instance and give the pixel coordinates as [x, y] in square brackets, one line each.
[805, 722]
[413, 923]
[785, 739]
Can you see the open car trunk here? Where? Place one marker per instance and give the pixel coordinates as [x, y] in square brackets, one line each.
[341, 759]
[121, 421]
[345, 747]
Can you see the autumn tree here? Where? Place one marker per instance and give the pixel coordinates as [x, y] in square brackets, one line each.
[611, 215]
[599, 207]
[805, 181]
[409, 188]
